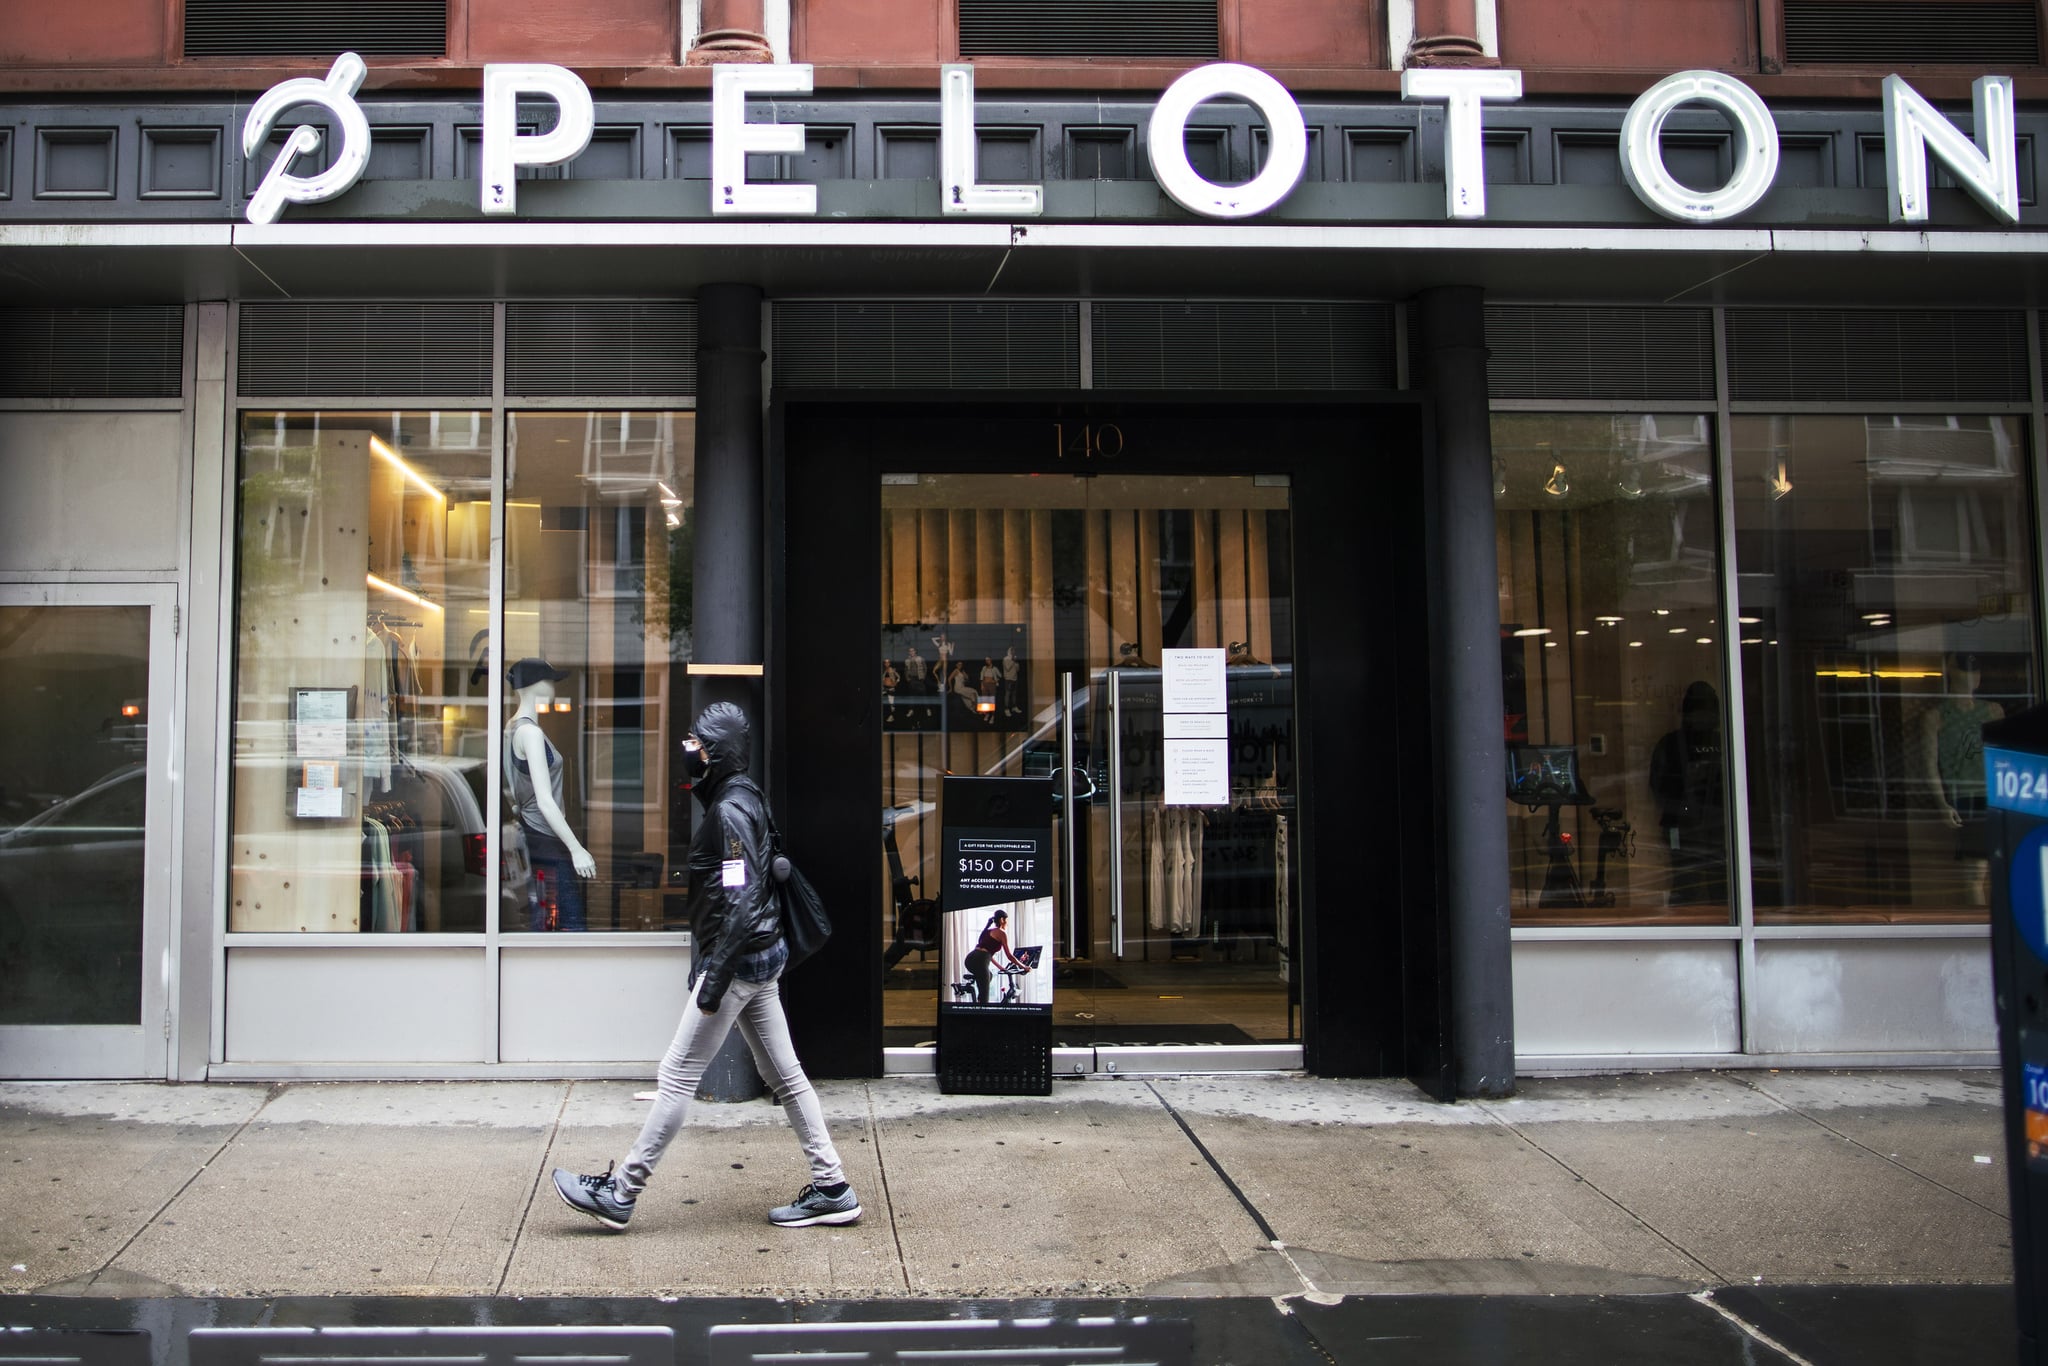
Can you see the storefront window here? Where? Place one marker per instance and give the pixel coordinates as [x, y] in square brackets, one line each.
[1610, 661]
[364, 582]
[362, 723]
[1887, 613]
[597, 632]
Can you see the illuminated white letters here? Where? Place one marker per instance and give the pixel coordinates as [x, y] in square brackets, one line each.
[1988, 168]
[1914, 129]
[1286, 156]
[732, 138]
[336, 95]
[958, 192]
[1755, 156]
[505, 148]
[1463, 92]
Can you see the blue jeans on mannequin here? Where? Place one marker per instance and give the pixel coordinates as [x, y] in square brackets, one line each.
[555, 900]
[756, 1008]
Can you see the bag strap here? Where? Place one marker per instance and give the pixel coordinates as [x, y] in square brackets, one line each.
[779, 866]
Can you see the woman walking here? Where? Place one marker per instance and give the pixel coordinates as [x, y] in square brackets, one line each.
[738, 956]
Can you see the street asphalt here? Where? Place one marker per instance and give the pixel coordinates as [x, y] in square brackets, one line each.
[1797, 1217]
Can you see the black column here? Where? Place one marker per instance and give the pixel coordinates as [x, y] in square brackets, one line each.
[729, 577]
[1465, 663]
[727, 573]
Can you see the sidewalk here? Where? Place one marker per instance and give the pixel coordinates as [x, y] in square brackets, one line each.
[1166, 1189]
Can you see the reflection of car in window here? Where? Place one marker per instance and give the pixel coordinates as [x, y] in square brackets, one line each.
[71, 907]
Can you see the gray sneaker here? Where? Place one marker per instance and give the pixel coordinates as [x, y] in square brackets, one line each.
[596, 1196]
[813, 1206]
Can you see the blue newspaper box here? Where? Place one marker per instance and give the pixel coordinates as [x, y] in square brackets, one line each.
[2016, 800]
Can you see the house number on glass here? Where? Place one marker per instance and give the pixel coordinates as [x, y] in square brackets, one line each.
[1088, 440]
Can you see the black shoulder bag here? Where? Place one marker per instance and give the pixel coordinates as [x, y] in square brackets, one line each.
[805, 926]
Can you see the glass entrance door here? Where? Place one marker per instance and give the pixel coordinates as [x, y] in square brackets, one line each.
[1129, 637]
[84, 852]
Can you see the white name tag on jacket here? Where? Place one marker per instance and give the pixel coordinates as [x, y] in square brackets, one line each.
[735, 872]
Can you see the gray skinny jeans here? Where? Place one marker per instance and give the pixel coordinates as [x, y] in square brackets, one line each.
[756, 1007]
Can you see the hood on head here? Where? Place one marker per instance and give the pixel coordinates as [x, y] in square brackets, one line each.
[726, 735]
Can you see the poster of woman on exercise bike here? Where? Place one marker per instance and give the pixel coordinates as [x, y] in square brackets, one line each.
[996, 954]
[996, 933]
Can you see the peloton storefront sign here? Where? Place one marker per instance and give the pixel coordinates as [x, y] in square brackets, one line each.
[1987, 167]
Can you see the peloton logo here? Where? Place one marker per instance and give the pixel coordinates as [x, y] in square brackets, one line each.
[1987, 167]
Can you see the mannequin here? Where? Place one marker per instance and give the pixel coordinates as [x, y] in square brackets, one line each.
[1013, 672]
[533, 770]
[1952, 763]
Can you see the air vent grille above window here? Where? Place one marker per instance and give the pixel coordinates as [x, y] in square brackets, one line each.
[623, 349]
[1588, 353]
[92, 352]
[365, 350]
[293, 28]
[1913, 32]
[927, 346]
[1818, 355]
[1193, 345]
[1089, 28]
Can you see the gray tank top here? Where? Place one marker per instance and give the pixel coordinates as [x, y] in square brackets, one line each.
[521, 780]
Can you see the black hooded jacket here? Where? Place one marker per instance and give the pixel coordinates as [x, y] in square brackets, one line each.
[726, 922]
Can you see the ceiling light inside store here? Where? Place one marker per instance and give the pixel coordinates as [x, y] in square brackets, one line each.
[1608, 621]
[1661, 611]
[1779, 482]
[1550, 645]
[1675, 631]
[1749, 621]
[1704, 640]
[377, 445]
[1582, 631]
[395, 591]
[1752, 640]
[1534, 631]
[1635, 645]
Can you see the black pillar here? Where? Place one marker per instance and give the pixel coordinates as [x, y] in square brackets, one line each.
[1465, 647]
[727, 573]
[726, 564]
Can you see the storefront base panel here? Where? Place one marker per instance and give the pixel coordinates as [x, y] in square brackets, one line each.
[1832, 996]
[363, 1005]
[590, 1005]
[1607, 998]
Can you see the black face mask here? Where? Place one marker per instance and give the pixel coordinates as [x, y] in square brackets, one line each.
[696, 763]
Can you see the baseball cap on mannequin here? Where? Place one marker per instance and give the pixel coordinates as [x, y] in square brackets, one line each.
[528, 672]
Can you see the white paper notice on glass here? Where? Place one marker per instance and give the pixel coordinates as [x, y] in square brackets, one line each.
[1197, 772]
[1192, 680]
[320, 723]
[317, 802]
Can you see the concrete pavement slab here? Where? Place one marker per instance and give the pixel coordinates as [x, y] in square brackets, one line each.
[701, 1227]
[1376, 1203]
[84, 1168]
[1071, 1194]
[412, 1187]
[1946, 1126]
[1753, 1194]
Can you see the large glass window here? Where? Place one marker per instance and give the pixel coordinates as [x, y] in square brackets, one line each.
[359, 782]
[597, 630]
[363, 731]
[1610, 661]
[1886, 613]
